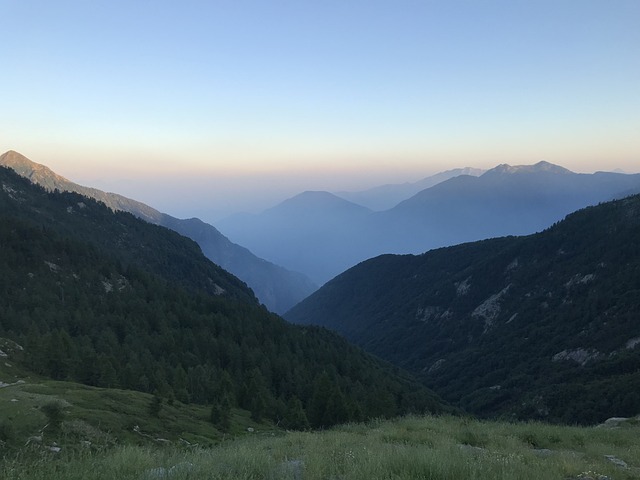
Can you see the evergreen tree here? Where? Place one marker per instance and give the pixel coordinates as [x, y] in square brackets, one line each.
[258, 406]
[336, 411]
[295, 418]
[155, 406]
[322, 390]
[221, 415]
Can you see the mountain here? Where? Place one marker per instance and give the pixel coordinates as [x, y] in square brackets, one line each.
[276, 287]
[541, 326]
[106, 299]
[388, 196]
[321, 235]
[313, 230]
[506, 200]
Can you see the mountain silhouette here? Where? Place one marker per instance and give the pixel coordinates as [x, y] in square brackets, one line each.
[322, 235]
[278, 288]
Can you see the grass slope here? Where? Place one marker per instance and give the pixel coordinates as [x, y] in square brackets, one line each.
[94, 419]
[445, 447]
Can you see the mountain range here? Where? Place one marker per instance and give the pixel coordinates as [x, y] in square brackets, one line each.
[384, 197]
[321, 235]
[541, 326]
[278, 288]
[103, 298]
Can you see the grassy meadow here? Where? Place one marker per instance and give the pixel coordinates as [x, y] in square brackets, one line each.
[114, 434]
[408, 448]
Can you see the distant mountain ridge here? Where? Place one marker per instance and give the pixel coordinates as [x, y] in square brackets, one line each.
[542, 326]
[387, 196]
[276, 287]
[328, 235]
[313, 230]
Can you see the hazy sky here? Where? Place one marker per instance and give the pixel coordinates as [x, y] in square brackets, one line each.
[230, 99]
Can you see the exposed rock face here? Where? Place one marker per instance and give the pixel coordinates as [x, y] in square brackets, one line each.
[436, 365]
[579, 355]
[462, 288]
[580, 280]
[490, 308]
[631, 344]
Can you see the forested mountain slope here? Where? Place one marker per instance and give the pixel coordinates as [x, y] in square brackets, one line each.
[278, 288]
[106, 299]
[542, 326]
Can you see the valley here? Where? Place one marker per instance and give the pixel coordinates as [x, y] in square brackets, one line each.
[122, 340]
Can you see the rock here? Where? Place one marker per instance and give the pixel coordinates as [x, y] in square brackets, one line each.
[579, 355]
[54, 449]
[159, 472]
[616, 461]
[471, 449]
[542, 452]
[34, 439]
[292, 469]
[250, 430]
[180, 470]
[613, 422]
[590, 476]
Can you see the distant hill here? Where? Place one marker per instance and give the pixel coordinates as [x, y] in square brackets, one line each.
[322, 235]
[317, 231]
[106, 299]
[541, 326]
[384, 197]
[276, 287]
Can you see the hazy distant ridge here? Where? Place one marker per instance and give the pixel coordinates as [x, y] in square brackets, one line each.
[322, 235]
[276, 287]
[387, 196]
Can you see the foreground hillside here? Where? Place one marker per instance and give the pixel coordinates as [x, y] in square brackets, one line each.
[410, 448]
[276, 287]
[108, 300]
[544, 326]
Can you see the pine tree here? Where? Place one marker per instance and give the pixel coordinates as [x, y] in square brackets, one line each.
[221, 415]
[322, 390]
[295, 418]
[155, 406]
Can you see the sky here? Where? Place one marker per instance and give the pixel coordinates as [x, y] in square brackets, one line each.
[203, 108]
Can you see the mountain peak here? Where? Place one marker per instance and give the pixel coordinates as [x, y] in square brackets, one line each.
[542, 166]
[317, 199]
[35, 172]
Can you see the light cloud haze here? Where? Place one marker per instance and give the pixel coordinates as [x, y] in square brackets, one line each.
[218, 106]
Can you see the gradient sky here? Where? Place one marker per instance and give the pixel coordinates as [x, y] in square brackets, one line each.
[204, 107]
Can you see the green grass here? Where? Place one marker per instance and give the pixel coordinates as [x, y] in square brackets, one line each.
[104, 418]
[98, 440]
[408, 448]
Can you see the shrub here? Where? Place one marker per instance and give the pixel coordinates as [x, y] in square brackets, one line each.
[54, 411]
